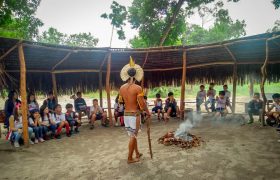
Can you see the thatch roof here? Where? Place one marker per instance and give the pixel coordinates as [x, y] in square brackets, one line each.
[77, 68]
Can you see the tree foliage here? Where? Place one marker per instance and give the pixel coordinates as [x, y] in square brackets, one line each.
[276, 27]
[53, 36]
[17, 19]
[117, 18]
[276, 3]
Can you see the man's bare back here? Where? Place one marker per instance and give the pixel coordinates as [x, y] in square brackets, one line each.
[129, 92]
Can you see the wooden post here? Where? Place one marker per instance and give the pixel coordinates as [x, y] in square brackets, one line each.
[23, 94]
[251, 86]
[182, 104]
[100, 88]
[54, 87]
[234, 87]
[108, 89]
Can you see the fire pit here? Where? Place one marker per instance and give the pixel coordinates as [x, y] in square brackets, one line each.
[186, 140]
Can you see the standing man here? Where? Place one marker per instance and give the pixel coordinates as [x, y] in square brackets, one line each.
[133, 97]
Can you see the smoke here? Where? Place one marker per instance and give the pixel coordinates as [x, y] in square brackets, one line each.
[191, 121]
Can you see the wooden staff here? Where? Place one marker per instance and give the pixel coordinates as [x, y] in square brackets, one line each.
[148, 120]
[23, 94]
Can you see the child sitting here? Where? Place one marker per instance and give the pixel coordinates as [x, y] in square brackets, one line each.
[276, 113]
[72, 118]
[35, 124]
[211, 93]
[97, 113]
[60, 121]
[221, 104]
[255, 107]
[50, 102]
[48, 124]
[80, 105]
[15, 122]
[227, 96]
[119, 111]
[158, 106]
[32, 103]
[200, 98]
[171, 107]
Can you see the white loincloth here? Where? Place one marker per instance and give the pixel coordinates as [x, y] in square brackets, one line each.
[130, 125]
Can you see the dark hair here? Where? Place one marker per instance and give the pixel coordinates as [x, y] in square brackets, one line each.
[42, 109]
[33, 112]
[212, 84]
[95, 100]
[145, 97]
[225, 85]
[157, 95]
[78, 93]
[131, 72]
[50, 93]
[11, 94]
[222, 93]
[202, 86]
[117, 99]
[68, 106]
[57, 106]
[257, 94]
[276, 95]
[170, 94]
[28, 98]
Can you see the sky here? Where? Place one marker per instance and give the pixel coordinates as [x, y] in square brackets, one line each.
[75, 16]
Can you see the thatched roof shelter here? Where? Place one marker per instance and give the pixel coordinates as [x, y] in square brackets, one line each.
[77, 68]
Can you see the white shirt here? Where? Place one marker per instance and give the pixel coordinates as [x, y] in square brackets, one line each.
[212, 94]
[221, 103]
[58, 118]
[46, 121]
[119, 107]
[201, 95]
[277, 107]
[227, 94]
[18, 124]
[99, 109]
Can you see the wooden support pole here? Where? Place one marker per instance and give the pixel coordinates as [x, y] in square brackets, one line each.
[23, 94]
[251, 85]
[108, 89]
[234, 87]
[54, 85]
[100, 89]
[182, 104]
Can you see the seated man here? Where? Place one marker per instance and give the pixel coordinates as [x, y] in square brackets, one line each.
[72, 118]
[119, 111]
[171, 107]
[97, 113]
[80, 105]
[158, 106]
[255, 107]
[275, 115]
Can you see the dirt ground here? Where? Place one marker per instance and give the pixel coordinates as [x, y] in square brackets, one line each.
[230, 151]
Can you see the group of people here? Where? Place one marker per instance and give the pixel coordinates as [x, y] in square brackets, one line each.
[48, 120]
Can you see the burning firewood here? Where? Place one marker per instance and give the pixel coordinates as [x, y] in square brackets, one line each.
[188, 141]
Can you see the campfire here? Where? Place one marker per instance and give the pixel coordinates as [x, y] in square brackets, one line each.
[185, 140]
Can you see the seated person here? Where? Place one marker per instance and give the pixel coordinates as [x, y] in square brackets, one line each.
[15, 133]
[60, 121]
[171, 107]
[10, 105]
[80, 105]
[32, 102]
[275, 115]
[48, 124]
[35, 123]
[118, 111]
[50, 102]
[158, 106]
[255, 107]
[200, 98]
[97, 113]
[72, 118]
[211, 93]
[227, 95]
[221, 104]
[144, 113]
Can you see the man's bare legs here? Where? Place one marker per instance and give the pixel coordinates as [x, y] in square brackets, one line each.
[92, 121]
[133, 146]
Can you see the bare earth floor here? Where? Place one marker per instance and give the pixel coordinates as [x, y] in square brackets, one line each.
[230, 151]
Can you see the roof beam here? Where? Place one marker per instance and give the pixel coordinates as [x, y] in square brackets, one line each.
[62, 60]
[10, 50]
[231, 54]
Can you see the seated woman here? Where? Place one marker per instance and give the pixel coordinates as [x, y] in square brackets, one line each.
[97, 113]
[10, 105]
[72, 118]
[158, 106]
[60, 121]
[171, 108]
[32, 103]
[275, 115]
[255, 107]
[35, 123]
[15, 122]
[118, 111]
[48, 124]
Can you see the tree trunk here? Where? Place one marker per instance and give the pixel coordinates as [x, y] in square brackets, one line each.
[171, 22]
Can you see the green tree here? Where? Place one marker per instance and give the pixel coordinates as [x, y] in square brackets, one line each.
[17, 19]
[53, 36]
[276, 27]
[117, 18]
[276, 3]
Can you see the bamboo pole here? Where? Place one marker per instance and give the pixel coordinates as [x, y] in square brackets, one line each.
[100, 89]
[108, 89]
[23, 94]
[54, 85]
[234, 88]
[182, 104]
